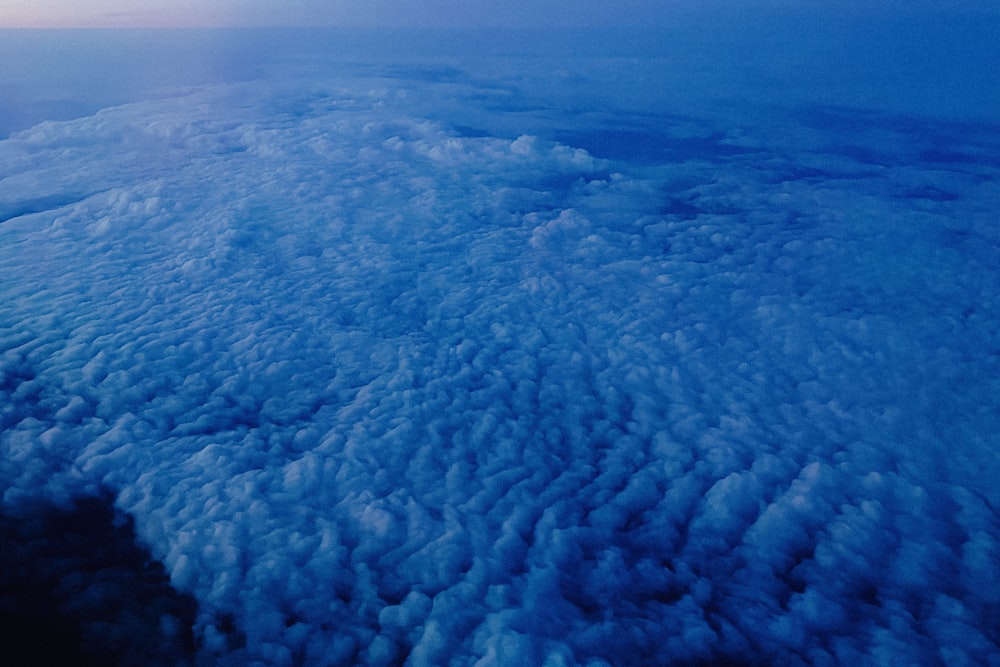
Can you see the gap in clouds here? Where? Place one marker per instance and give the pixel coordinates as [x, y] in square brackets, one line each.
[76, 588]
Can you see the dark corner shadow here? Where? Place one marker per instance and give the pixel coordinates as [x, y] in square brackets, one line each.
[76, 589]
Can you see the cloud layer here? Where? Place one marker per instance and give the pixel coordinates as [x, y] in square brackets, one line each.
[379, 387]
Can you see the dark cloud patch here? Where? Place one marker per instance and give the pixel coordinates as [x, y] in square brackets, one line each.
[77, 588]
[15, 209]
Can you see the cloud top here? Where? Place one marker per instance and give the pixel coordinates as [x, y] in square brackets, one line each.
[378, 388]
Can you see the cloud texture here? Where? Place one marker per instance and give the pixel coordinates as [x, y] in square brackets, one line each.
[377, 387]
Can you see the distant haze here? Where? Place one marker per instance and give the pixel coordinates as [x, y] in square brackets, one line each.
[450, 13]
[156, 13]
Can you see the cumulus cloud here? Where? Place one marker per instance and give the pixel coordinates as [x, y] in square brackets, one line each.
[376, 388]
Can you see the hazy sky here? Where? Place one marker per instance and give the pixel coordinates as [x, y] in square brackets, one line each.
[157, 13]
[163, 13]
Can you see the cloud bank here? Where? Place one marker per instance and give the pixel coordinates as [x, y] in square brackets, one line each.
[379, 388]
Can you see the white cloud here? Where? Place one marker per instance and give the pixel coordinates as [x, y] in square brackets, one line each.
[373, 387]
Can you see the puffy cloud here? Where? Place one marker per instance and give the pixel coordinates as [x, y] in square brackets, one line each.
[374, 388]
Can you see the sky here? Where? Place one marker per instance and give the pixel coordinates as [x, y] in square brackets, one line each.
[450, 13]
[185, 13]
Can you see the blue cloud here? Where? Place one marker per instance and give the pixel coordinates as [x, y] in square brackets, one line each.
[376, 386]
